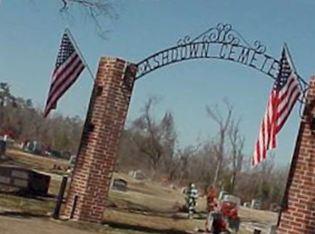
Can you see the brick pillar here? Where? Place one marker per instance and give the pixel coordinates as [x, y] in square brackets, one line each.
[100, 138]
[298, 215]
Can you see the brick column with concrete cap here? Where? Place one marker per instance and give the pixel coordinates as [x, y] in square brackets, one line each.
[298, 215]
[100, 138]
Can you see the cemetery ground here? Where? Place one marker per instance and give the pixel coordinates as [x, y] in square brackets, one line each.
[146, 207]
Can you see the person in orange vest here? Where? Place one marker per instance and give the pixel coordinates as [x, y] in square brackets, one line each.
[214, 220]
[212, 201]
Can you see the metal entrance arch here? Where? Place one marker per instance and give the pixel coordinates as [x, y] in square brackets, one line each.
[220, 42]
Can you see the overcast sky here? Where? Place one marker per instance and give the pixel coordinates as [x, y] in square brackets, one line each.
[31, 31]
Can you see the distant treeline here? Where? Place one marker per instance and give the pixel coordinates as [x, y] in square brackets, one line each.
[24, 122]
[150, 144]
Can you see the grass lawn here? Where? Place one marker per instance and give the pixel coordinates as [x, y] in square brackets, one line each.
[27, 206]
[147, 206]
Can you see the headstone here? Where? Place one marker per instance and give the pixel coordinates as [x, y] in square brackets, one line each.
[246, 204]
[256, 204]
[221, 194]
[72, 160]
[34, 146]
[231, 198]
[275, 207]
[139, 175]
[120, 185]
[131, 173]
[27, 146]
[3, 146]
[25, 180]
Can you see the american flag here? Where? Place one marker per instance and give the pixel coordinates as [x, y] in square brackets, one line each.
[68, 67]
[285, 92]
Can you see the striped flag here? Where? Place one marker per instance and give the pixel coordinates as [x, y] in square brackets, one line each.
[285, 92]
[68, 67]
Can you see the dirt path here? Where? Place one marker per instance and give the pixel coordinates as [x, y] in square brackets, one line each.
[13, 225]
[30, 225]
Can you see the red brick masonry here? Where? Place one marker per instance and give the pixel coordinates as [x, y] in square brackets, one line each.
[99, 143]
[298, 217]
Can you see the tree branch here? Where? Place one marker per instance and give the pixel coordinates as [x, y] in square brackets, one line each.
[95, 9]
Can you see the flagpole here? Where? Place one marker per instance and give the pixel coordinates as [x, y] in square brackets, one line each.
[292, 64]
[289, 55]
[79, 52]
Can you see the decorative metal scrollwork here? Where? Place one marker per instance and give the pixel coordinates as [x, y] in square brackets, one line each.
[259, 47]
[183, 41]
[225, 34]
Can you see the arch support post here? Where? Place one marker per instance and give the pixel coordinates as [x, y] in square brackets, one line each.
[298, 214]
[99, 142]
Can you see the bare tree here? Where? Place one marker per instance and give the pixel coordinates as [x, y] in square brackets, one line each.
[237, 145]
[266, 169]
[155, 139]
[95, 11]
[223, 124]
[6, 98]
[184, 160]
